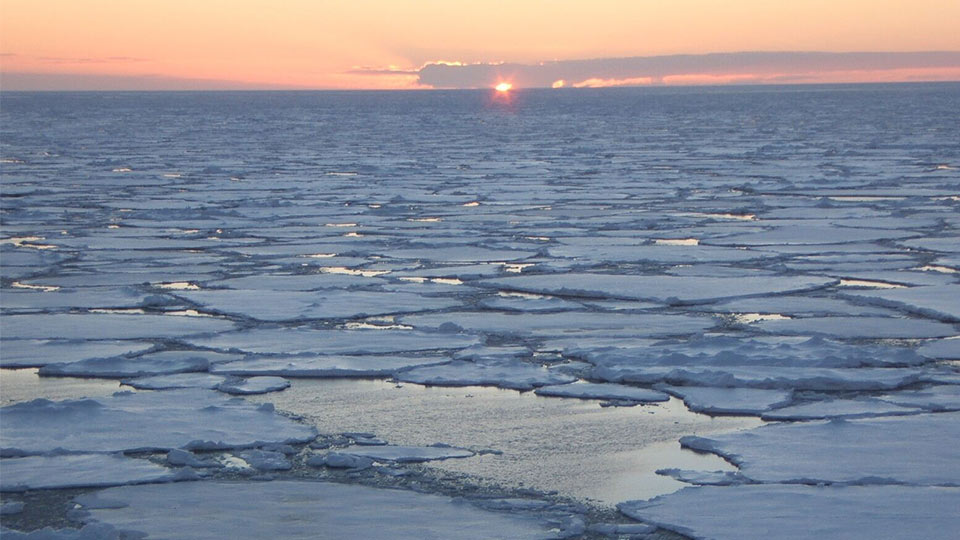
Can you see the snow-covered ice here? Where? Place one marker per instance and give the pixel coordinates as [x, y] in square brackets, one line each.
[729, 400]
[406, 454]
[505, 374]
[664, 289]
[291, 509]
[80, 470]
[609, 391]
[189, 418]
[790, 512]
[253, 385]
[918, 449]
[326, 366]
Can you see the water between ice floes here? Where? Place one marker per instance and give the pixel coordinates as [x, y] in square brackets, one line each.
[573, 446]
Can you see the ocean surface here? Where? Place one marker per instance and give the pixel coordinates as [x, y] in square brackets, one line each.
[585, 297]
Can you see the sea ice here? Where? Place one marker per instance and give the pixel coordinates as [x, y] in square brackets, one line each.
[944, 397]
[189, 418]
[406, 454]
[304, 339]
[36, 352]
[516, 375]
[707, 400]
[610, 391]
[176, 380]
[917, 449]
[304, 510]
[265, 460]
[268, 305]
[108, 326]
[944, 349]
[558, 324]
[858, 327]
[79, 470]
[664, 289]
[253, 385]
[326, 366]
[938, 301]
[801, 512]
[160, 363]
[839, 408]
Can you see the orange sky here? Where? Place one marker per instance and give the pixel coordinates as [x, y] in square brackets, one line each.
[316, 43]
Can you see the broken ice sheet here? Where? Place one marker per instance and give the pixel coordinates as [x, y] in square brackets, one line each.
[664, 289]
[858, 327]
[803, 512]
[558, 324]
[709, 400]
[304, 339]
[177, 380]
[607, 391]
[188, 418]
[918, 449]
[79, 470]
[303, 509]
[511, 374]
[37, 352]
[253, 385]
[406, 454]
[326, 366]
[159, 363]
[839, 408]
[938, 301]
[268, 305]
[108, 326]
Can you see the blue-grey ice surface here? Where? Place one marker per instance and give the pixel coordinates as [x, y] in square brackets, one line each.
[785, 252]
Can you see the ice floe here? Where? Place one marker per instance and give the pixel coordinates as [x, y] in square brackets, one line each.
[664, 289]
[189, 418]
[40, 352]
[176, 380]
[80, 470]
[303, 509]
[108, 326]
[326, 366]
[160, 363]
[253, 385]
[607, 391]
[505, 374]
[917, 449]
[305, 339]
[406, 454]
[729, 400]
[800, 512]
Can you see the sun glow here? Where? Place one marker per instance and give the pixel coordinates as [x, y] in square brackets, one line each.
[503, 87]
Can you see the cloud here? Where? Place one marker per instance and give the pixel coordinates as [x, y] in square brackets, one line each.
[716, 68]
[15, 80]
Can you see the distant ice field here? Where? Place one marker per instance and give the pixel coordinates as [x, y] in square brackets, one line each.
[549, 299]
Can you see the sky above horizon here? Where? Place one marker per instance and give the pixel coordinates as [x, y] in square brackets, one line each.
[217, 44]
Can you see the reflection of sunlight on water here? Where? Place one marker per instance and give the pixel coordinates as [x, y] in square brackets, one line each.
[371, 326]
[341, 224]
[321, 255]
[471, 203]
[426, 220]
[573, 446]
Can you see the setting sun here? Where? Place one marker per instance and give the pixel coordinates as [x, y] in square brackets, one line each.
[503, 87]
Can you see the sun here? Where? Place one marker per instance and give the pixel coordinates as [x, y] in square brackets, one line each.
[503, 87]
